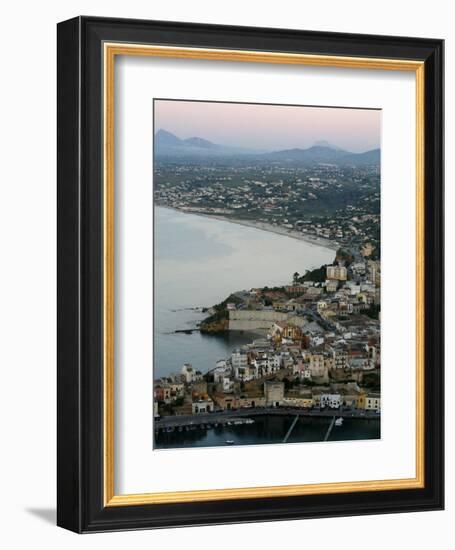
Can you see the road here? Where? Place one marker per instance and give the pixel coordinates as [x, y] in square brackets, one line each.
[225, 416]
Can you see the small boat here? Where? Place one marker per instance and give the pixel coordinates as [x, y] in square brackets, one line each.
[339, 421]
[229, 442]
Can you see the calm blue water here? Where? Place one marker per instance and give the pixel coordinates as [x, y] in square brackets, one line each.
[199, 261]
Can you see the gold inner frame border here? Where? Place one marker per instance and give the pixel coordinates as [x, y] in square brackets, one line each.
[110, 51]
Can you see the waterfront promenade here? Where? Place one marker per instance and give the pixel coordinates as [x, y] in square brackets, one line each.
[223, 417]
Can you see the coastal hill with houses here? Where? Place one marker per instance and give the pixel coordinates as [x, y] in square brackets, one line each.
[315, 345]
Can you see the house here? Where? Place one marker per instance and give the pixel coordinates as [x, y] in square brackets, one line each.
[313, 292]
[228, 384]
[361, 363]
[201, 406]
[317, 365]
[340, 357]
[273, 393]
[226, 402]
[295, 289]
[220, 371]
[358, 268]
[199, 387]
[239, 358]
[331, 285]
[250, 402]
[337, 272]
[291, 332]
[190, 374]
[298, 401]
[373, 402]
[163, 394]
[177, 389]
[316, 340]
[330, 400]
[361, 400]
[246, 372]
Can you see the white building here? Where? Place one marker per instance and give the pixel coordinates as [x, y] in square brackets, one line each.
[316, 340]
[354, 289]
[221, 370]
[361, 363]
[202, 406]
[246, 373]
[331, 400]
[359, 268]
[228, 384]
[190, 374]
[239, 359]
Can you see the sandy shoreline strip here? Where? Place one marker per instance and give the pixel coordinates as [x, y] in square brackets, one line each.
[316, 241]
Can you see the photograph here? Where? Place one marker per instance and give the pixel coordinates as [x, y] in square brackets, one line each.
[224, 285]
[267, 273]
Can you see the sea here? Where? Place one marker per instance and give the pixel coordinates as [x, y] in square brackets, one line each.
[200, 261]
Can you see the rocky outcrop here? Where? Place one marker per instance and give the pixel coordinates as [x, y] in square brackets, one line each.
[214, 327]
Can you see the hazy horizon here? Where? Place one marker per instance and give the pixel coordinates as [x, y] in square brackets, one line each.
[270, 127]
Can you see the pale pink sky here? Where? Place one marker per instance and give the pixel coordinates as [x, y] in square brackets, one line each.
[270, 126]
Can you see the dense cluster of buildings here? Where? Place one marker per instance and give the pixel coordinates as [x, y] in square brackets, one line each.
[325, 201]
[315, 345]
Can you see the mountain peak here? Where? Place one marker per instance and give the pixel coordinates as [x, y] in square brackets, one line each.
[324, 143]
[199, 142]
[163, 137]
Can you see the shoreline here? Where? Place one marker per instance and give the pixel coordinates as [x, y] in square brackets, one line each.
[263, 226]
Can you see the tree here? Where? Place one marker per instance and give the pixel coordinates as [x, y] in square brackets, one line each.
[295, 277]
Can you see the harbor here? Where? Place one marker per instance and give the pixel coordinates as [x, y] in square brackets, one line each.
[252, 429]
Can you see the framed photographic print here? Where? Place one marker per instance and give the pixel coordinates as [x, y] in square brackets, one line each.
[250, 274]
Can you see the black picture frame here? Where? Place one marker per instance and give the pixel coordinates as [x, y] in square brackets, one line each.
[80, 473]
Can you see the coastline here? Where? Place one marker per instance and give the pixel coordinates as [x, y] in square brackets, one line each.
[262, 226]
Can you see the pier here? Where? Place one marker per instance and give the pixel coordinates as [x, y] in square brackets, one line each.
[286, 437]
[330, 428]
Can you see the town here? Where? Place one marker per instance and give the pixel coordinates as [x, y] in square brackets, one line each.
[336, 204]
[315, 349]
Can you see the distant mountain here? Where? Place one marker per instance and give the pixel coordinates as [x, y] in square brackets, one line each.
[166, 139]
[313, 155]
[199, 142]
[369, 157]
[319, 154]
[168, 145]
[324, 143]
